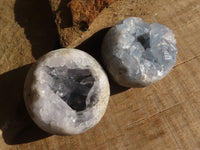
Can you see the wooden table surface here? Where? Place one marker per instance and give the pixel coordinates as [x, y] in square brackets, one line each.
[163, 116]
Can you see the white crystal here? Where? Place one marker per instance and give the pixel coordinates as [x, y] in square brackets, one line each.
[137, 53]
[66, 92]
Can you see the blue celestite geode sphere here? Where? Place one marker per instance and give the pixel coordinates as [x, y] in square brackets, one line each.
[66, 92]
[139, 54]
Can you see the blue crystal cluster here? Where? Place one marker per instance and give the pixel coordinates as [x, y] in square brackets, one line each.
[137, 53]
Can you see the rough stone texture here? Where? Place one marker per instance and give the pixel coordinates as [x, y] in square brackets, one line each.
[73, 35]
[137, 53]
[84, 12]
[66, 92]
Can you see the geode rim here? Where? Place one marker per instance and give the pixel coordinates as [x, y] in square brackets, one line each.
[138, 54]
[47, 108]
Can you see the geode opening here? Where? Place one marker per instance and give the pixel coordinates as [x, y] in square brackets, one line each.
[147, 51]
[72, 85]
[144, 39]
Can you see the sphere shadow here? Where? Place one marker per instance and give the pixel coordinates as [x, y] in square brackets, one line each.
[66, 17]
[15, 123]
[36, 17]
[65, 14]
[93, 47]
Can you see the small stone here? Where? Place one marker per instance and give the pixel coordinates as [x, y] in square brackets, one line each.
[66, 92]
[86, 11]
[72, 34]
[138, 54]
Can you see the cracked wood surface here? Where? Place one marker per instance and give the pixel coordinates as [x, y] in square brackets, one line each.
[163, 116]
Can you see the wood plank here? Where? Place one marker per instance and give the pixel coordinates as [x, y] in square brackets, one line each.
[165, 115]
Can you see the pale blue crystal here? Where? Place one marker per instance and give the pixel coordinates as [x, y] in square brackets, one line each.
[137, 53]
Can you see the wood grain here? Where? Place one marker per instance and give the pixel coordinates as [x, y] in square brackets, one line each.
[163, 116]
